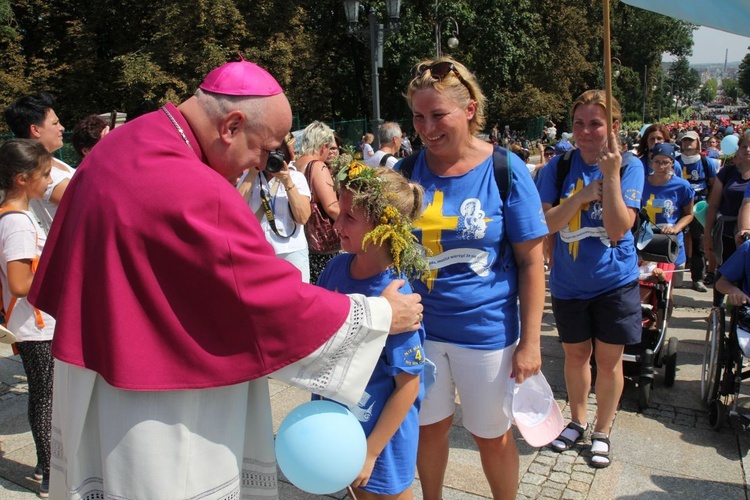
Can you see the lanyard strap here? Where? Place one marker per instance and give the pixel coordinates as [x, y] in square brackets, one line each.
[265, 207]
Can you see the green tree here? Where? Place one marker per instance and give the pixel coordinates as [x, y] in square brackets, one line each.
[731, 89]
[743, 78]
[12, 64]
[709, 90]
[684, 80]
[532, 58]
[639, 39]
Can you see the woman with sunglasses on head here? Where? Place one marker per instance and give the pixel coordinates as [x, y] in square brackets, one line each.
[594, 277]
[485, 253]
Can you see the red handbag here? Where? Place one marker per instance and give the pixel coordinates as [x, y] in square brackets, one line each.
[322, 238]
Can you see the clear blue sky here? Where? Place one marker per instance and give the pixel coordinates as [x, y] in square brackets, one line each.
[710, 46]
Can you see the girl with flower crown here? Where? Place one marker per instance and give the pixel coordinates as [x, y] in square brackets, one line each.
[377, 207]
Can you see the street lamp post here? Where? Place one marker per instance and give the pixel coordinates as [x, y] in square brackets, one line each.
[616, 71]
[452, 41]
[375, 34]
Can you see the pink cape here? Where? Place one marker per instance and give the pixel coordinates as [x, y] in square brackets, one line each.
[160, 277]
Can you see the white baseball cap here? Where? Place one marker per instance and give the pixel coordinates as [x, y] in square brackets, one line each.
[535, 411]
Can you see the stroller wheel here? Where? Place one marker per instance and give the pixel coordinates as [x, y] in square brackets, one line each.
[716, 414]
[644, 392]
[712, 363]
[670, 362]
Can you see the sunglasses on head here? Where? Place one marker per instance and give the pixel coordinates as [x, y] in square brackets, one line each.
[439, 71]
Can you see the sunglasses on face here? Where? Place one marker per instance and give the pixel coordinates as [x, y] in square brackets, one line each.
[439, 71]
[549, 155]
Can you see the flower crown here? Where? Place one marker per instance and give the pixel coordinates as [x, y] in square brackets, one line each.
[371, 192]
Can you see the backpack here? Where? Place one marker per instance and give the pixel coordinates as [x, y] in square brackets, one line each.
[384, 159]
[503, 177]
[563, 169]
[6, 312]
[702, 194]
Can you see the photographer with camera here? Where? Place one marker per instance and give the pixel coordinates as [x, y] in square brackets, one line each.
[280, 198]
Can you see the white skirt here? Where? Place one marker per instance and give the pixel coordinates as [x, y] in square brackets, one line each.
[205, 443]
[160, 445]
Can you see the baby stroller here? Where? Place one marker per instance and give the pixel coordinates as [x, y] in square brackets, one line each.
[654, 350]
[655, 250]
[723, 359]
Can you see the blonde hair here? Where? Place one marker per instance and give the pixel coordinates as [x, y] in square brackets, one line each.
[404, 195]
[460, 92]
[597, 97]
[369, 138]
[392, 204]
[315, 136]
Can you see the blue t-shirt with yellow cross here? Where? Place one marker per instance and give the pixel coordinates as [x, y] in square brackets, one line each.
[471, 294]
[698, 174]
[403, 353]
[586, 263]
[665, 204]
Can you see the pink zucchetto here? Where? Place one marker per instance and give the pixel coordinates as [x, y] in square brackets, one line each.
[241, 78]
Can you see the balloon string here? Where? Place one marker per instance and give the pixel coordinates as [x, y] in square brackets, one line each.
[351, 493]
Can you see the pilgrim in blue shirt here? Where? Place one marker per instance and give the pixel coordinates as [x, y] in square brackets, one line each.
[471, 295]
[737, 268]
[586, 263]
[665, 203]
[403, 353]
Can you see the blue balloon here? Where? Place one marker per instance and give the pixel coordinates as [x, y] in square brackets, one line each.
[321, 447]
[699, 211]
[729, 130]
[730, 144]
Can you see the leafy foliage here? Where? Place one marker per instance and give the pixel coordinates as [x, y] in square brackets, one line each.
[731, 89]
[709, 90]
[684, 80]
[743, 78]
[532, 58]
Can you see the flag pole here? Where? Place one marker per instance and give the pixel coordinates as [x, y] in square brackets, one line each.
[607, 70]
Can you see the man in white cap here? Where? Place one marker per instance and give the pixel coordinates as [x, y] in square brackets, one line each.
[700, 172]
[172, 309]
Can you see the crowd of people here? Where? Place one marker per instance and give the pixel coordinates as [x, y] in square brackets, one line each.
[429, 254]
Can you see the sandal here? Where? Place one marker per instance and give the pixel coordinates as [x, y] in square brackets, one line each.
[572, 434]
[600, 456]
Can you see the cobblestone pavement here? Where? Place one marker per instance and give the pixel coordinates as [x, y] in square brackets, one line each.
[666, 451]
[567, 475]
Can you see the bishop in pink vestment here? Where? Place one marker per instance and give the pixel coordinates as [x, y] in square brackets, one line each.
[169, 304]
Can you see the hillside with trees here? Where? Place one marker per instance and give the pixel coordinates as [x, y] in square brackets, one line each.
[532, 57]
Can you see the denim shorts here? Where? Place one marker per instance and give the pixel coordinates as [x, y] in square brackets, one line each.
[613, 317]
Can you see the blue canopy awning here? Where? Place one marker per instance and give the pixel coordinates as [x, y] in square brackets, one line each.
[732, 16]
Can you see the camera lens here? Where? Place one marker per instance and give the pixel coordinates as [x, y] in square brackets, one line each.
[275, 162]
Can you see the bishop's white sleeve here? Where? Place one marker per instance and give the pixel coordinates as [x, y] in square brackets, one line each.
[341, 368]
